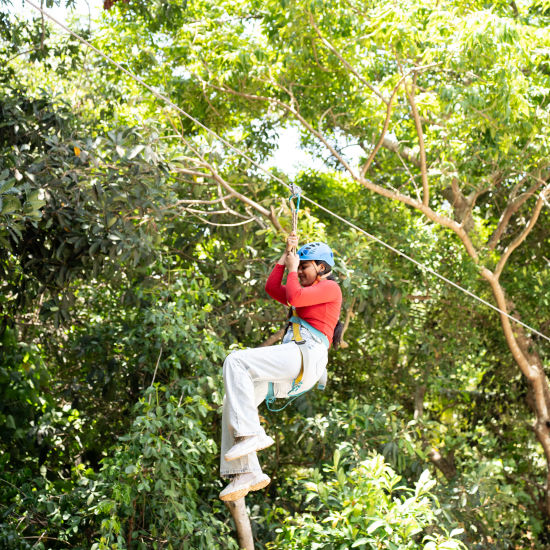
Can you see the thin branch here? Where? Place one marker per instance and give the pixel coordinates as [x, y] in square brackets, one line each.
[520, 238]
[215, 212]
[406, 152]
[223, 224]
[346, 64]
[234, 212]
[238, 214]
[259, 221]
[20, 54]
[315, 55]
[246, 200]
[349, 314]
[228, 187]
[197, 201]
[192, 173]
[510, 210]
[420, 133]
[367, 164]
[43, 35]
[155, 373]
[185, 158]
[356, 9]
[205, 95]
[204, 212]
[291, 110]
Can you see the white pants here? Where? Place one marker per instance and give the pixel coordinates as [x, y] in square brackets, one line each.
[246, 375]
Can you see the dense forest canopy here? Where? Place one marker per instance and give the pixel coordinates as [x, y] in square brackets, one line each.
[134, 247]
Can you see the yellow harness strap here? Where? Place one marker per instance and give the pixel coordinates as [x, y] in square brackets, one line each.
[297, 337]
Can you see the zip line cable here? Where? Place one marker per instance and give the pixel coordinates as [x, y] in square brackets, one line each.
[169, 102]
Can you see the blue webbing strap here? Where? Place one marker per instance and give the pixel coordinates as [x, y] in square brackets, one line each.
[313, 330]
[270, 398]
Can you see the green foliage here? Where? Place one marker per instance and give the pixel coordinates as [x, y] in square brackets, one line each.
[158, 477]
[366, 507]
[118, 303]
[70, 203]
[156, 487]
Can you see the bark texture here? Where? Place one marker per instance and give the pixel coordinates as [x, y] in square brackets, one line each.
[242, 523]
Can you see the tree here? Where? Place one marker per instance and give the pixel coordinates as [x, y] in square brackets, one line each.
[117, 395]
[447, 102]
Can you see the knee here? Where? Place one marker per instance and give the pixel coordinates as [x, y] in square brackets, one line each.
[230, 363]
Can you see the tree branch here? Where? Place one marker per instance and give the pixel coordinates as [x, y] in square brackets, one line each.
[291, 110]
[367, 164]
[20, 54]
[349, 314]
[427, 211]
[242, 523]
[445, 464]
[419, 394]
[523, 235]
[531, 367]
[422, 149]
[346, 64]
[205, 212]
[393, 195]
[217, 224]
[193, 173]
[406, 152]
[233, 192]
[275, 337]
[510, 210]
[519, 356]
[198, 201]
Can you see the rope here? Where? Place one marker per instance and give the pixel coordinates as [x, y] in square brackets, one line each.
[296, 193]
[169, 102]
[294, 218]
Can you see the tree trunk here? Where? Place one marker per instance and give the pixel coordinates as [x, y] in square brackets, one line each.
[532, 368]
[242, 523]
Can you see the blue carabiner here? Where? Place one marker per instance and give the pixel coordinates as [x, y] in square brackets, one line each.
[296, 193]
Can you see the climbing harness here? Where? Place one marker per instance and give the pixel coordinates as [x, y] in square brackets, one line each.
[296, 322]
[169, 102]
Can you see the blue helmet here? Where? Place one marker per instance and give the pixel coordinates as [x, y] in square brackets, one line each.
[317, 251]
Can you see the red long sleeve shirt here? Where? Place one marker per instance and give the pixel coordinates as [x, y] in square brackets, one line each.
[318, 304]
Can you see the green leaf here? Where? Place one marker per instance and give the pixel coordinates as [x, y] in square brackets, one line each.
[11, 204]
[375, 525]
[135, 151]
[336, 458]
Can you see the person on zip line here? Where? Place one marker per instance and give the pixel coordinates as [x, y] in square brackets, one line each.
[286, 370]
